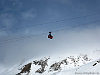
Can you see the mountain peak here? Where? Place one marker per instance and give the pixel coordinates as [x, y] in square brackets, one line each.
[50, 65]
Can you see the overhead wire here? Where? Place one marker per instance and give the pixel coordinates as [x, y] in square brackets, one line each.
[30, 36]
[76, 26]
[50, 22]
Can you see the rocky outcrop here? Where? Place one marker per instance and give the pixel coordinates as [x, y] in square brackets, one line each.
[96, 63]
[43, 63]
[25, 69]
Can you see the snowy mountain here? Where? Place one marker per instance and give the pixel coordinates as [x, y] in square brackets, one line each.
[54, 65]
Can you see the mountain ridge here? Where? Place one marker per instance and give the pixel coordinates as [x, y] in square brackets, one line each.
[52, 65]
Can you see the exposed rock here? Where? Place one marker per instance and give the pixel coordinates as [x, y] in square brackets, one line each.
[25, 69]
[42, 63]
[55, 66]
[96, 63]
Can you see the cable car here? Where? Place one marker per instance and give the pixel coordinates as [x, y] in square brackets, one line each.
[50, 36]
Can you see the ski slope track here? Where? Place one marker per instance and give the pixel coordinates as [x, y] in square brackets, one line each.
[81, 64]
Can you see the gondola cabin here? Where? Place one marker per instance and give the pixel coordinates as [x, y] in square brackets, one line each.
[50, 36]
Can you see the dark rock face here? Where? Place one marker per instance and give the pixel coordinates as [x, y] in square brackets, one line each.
[96, 63]
[25, 69]
[42, 63]
[55, 66]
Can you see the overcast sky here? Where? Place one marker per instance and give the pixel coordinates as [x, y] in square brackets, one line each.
[21, 18]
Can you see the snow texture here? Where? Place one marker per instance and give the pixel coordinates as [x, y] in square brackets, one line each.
[54, 65]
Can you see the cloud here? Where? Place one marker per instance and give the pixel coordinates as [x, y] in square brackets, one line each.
[7, 20]
[13, 3]
[2, 68]
[3, 33]
[29, 14]
[17, 3]
[69, 42]
[63, 1]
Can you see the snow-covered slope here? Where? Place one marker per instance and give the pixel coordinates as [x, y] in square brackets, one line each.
[55, 65]
[86, 69]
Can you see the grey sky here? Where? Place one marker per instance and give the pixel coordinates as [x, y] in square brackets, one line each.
[21, 13]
